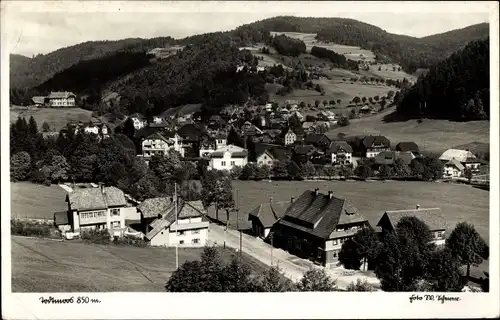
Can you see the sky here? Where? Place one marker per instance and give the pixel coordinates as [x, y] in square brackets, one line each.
[41, 26]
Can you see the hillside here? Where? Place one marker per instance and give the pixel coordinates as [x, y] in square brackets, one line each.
[410, 52]
[456, 88]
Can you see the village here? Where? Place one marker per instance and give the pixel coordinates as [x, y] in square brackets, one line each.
[268, 142]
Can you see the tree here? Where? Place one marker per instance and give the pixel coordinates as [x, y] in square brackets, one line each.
[234, 139]
[308, 169]
[367, 244]
[363, 99]
[279, 170]
[330, 171]
[384, 172]
[20, 166]
[433, 169]
[316, 103]
[346, 171]
[382, 104]
[316, 280]
[349, 256]
[416, 168]
[339, 101]
[45, 127]
[128, 128]
[356, 100]
[443, 272]
[343, 122]
[468, 174]
[32, 127]
[58, 169]
[273, 280]
[360, 285]
[236, 277]
[363, 171]
[467, 246]
[401, 169]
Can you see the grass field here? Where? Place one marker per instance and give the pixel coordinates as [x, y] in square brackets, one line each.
[50, 266]
[57, 118]
[29, 200]
[431, 135]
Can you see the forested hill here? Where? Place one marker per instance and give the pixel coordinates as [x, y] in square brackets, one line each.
[456, 88]
[27, 73]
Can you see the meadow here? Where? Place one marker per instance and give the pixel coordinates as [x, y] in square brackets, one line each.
[57, 118]
[70, 266]
[29, 200]
[434, 136]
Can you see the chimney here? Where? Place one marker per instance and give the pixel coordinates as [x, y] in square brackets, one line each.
[270, 199]
[102, 188]
[292, 199]
[316, 191]
[330, 194]
[418, 206]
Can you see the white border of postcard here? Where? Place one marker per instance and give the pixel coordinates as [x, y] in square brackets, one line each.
[250, 305]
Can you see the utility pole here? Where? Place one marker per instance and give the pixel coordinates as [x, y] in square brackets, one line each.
[176, 229]
[238, 219]
[271, 236]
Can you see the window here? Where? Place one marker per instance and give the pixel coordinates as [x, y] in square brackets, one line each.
[195, 241]
[92, 214]
[195, 232]
[232, 163]
[335, 241]
[319, 254]
[115, 224]
[115, 212]
[180, 233]
[335, 254]
[181, 242]
[223, 163]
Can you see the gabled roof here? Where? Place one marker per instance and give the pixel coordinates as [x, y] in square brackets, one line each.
[316, 138]
[137, 116]
[319, 214]
[369, 141]
[407, 146]
[156, 136]
[460, 155]
[61, 218]
[94, 198]
[269, 213]
[38, 99]
[304, 149]
[155, 206]
[335, 146]
[433, 217]
[388, 157]
[455, 163]
[60, 95]
[185, 209]
[235, 151]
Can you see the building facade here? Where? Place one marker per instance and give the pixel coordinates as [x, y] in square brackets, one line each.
[341, 153]
[228, 157]
[60, 99]
[160, 144]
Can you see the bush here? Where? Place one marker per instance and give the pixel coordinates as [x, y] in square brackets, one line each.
[96, 236]
[129, 241]
[30, 228]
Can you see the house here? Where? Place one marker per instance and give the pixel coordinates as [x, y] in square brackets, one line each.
[267, 154]
[158, 119]
[207, 147]
[326, 115]
[100, 208]
[160, 144]
[191, 135]
[185, 227]
[340, 152]
[373, 145]
[248, 129]
[290, 137]
[453, 169]
[60, 99]
[304, 153]
[366, 109]
[472, 163]
[308, 127]
[228, 157]
[319, 140]
[389, 157]
[316, 225]
[268, 107]
[407, 146]
[432, 217]
[265, 158]
[151, 209]
[460, 155]
[139, 120]
[38, 101]
[265, 215]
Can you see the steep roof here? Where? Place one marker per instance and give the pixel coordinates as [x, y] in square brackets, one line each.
[456, 164]
[156, 136]
[94, 198]
[304, 149]
[335, 146]
[235, 151]
[388, 157]
[38, 99]
[319, 214]
[60, 95]
[137, 115]
[155, 206]
[433, 217]
[185, 209]
[316, 138]
[407, 146]
[460, 155]
[269, 213]
[369, 141]
[61, 218]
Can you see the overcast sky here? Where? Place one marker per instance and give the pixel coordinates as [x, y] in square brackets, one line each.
[42, 27]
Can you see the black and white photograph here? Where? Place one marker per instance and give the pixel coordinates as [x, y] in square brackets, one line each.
[299, 149]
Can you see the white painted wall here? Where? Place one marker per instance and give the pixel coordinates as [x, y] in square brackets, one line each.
[451, 171]
[227, 163]
[348, 158]
[188, 236]
[161, 239]
[265, 159]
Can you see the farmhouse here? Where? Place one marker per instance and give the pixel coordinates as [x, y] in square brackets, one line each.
[432, 217]
[265, 215]
[184, 227]
[453, 169]
[38, 101]
[100, 208]
[460, 155]
[160, 144]
[373, 145]
[315, 225]
[389, 157]
[228, 157]
[407, 146]
[341, 152]
[60, 99]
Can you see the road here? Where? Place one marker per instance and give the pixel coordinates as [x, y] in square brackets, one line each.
[292, 266]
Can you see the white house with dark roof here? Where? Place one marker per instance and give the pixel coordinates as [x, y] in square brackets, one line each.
[340, 152]
[100, 208]
[432, 217]
[316, 225]
[160, 144]
[290, 137]
[60, 99]
[466, 159]
[38, 101]
[453, 169]
[185, 227]
[228, 157]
